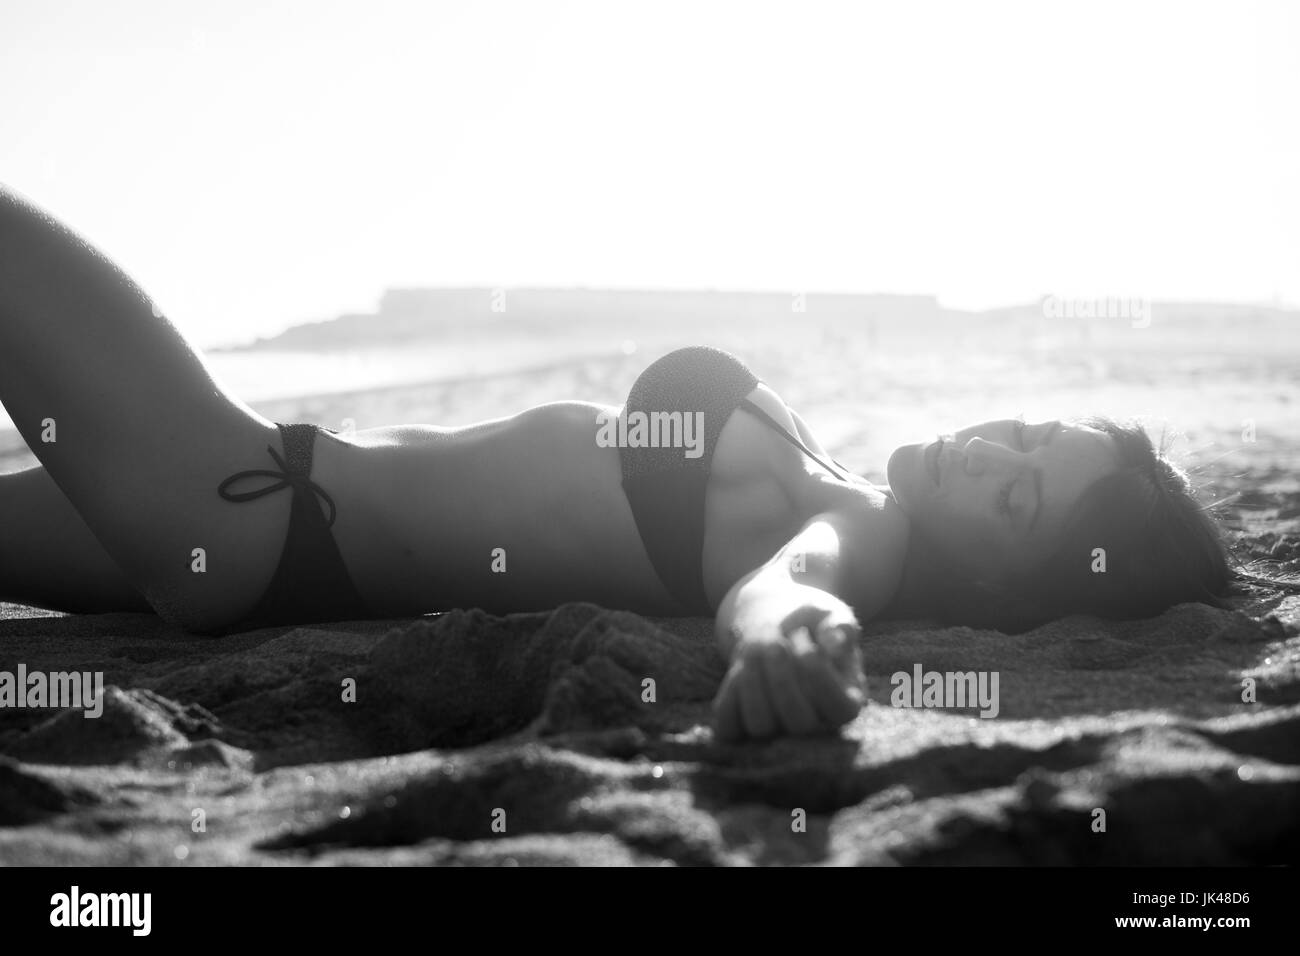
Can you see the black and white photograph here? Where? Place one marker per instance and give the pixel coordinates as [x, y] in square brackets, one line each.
[790, 435]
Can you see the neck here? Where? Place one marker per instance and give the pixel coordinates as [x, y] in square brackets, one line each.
[920, 591]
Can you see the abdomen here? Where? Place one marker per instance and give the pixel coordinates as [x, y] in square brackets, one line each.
[522, 513]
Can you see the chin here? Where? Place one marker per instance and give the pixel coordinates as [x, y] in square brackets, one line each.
[898, 474]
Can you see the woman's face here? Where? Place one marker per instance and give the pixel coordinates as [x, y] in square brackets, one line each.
[995, 497]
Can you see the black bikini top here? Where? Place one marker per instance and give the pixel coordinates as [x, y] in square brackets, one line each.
[772, 423]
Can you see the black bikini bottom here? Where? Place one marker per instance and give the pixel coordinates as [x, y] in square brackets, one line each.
[311, 583]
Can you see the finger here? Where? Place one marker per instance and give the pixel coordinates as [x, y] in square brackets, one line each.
[727, 724]
[793, 711]
[754, 709]
[837, 703]
[855, 671]
[821, 688]
[834, 702]
[840, 646]
[838, 637]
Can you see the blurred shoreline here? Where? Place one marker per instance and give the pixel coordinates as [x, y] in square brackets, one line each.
[1220, 381]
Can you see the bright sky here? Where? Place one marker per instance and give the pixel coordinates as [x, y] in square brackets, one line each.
[254, 164]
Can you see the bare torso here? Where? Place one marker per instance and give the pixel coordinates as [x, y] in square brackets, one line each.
[518, 513]
[526, 512]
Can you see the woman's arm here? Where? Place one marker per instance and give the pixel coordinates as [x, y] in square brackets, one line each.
[790, 628]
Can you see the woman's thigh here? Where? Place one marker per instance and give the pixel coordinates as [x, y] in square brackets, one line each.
[49, 557]
[130, 423]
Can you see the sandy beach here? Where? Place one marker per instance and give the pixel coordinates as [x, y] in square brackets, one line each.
[475, 739]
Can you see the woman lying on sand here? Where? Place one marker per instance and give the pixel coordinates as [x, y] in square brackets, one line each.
[146, 458]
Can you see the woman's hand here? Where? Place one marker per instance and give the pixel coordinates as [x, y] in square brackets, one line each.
[795, 663]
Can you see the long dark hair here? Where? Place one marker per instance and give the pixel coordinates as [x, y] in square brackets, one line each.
[1136, 543]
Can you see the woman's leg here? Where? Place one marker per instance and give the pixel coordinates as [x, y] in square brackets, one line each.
[50, 558]
[130, 424]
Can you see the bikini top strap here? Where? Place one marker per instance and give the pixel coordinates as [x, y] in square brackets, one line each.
[776, 426]
[295, 469]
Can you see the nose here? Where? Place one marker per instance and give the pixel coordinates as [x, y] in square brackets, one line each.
[982, 455]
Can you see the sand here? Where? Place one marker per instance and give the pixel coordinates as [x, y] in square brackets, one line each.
[490, 740]
[481, 740]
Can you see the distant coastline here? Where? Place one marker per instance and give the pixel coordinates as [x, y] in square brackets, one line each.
[456, 355]
[424, 315]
